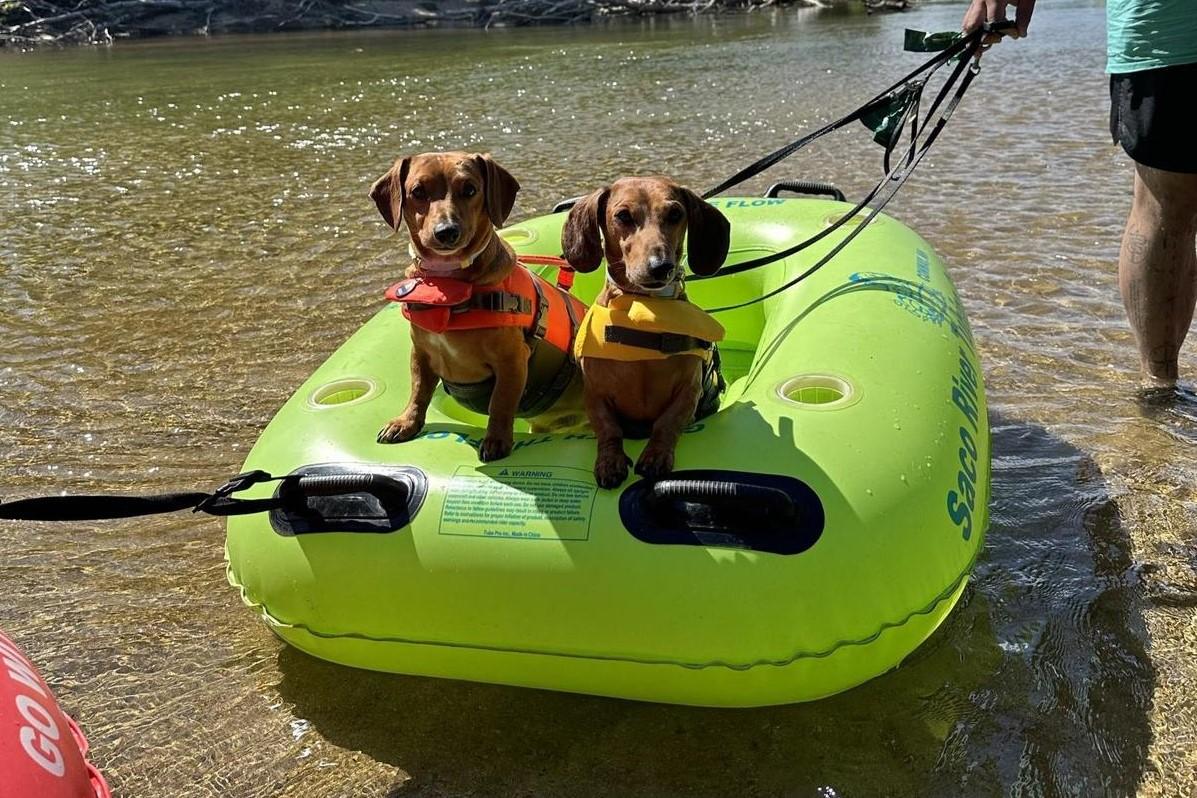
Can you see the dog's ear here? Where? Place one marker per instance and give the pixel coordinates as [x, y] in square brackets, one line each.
[387, 193]
[708, 234]
[582, 237]
[498, 190]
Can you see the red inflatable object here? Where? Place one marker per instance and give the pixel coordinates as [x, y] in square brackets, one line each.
[41, 749]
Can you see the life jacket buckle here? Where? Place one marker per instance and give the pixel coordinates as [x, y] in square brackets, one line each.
[501, 302]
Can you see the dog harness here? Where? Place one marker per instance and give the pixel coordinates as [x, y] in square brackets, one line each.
[638, 327]
[547, 313]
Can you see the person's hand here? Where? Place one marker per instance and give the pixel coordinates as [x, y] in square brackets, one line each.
[981, 11]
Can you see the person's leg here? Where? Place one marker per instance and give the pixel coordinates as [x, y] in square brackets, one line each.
[1157, 267]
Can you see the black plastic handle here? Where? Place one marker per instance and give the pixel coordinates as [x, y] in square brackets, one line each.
[724, 494]
[348, 497]
[565, 205]
[341, 484]
[815, 187]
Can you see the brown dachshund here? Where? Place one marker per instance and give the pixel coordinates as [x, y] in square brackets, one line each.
[451, 203]
[639, 224]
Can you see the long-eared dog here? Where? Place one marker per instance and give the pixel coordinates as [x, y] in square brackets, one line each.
[648, 356]
[495, 334]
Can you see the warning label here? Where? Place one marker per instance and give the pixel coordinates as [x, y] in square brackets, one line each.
[530, 502]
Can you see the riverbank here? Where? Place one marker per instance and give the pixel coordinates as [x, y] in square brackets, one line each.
[32, 23]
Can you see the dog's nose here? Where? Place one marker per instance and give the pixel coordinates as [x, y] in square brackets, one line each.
[446, 233]
[660, 268]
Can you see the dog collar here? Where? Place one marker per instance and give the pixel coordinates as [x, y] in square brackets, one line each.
[671, 290]
[446, 266]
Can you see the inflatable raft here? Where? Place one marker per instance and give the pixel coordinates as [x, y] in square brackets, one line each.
[854, 432]
[42, 751]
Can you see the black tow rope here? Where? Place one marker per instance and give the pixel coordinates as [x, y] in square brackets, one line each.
[887, 114]
[293, 487]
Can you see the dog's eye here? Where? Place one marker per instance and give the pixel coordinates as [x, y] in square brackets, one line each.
[468, 190]
[674, 216]
[419, 193]
[624, 217]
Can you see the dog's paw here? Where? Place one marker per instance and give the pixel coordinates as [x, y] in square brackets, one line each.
[400, 429]
[611, 470]
[655, 462]
[494, 448]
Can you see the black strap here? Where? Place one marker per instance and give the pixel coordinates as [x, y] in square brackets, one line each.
[897, 177]
[906, 94]
[220, 502]
[713, 386]
[80, 508]
[570, 311]
[665, 342]
[884, 97]
[540, 317]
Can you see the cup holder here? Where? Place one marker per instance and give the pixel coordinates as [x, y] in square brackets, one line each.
[817, 391]
[341, 393]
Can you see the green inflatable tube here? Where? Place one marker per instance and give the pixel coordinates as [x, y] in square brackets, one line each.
[853, 432]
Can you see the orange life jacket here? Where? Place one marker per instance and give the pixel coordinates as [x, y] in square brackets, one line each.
[548, 314]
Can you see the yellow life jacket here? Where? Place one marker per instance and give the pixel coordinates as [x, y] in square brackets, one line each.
[634, 327]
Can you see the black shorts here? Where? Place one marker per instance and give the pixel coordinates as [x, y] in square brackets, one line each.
[1151, 116]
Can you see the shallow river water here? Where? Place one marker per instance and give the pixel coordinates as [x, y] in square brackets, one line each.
[185, 234]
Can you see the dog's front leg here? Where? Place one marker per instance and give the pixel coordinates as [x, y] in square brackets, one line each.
[610, 464]
[657, 458]
[510, 378]
[423, 383]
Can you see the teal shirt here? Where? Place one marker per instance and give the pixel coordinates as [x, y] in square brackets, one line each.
[1146, 34]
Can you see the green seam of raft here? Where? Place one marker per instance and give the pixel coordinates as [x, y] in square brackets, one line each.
[262, 610]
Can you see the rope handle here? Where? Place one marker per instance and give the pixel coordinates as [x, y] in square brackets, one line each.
[724, 493]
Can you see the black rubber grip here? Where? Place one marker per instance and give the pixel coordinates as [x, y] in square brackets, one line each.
[722, 493]
[340, 484]
[815, 187]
